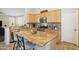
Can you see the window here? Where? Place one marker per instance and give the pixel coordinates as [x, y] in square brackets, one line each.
[16, 21]
[11, 21]
[20, 21]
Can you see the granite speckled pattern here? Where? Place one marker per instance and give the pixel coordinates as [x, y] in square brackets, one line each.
[40, 38]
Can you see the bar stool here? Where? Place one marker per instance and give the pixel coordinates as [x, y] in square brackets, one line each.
[19, 43]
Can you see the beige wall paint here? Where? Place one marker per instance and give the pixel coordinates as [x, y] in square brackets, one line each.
[4, 19]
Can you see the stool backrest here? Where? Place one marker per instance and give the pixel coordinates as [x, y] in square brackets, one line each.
[19, 38]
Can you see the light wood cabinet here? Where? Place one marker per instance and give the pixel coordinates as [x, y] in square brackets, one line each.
[33, 18]
[58, 38]
[57, 15]
[44, 14]
[52, 16]
[37, 17]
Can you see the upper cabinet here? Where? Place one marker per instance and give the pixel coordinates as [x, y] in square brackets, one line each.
[37, 17]
[52, 16]
[57, 15]
[33, 18]
[45, 14]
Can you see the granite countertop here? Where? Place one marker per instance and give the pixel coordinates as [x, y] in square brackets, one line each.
[40, 38]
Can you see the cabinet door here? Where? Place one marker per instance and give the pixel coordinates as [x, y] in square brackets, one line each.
[50, 16]
[54, 16]
[31, 18]
[57, 15]
[37, 17]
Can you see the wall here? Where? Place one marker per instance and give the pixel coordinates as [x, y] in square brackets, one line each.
[4, 19]
[78, 26]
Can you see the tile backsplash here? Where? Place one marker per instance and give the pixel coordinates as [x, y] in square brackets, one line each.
[54, 26]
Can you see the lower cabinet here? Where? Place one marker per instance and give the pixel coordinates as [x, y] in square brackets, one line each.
[49, 46]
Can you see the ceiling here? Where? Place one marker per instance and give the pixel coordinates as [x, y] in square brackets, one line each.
[12, 11]
[37, 10]
[21, 11]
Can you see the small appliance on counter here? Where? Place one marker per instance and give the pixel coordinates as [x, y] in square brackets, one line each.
[54, 26]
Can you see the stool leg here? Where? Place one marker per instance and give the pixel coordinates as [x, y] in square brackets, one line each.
[23, 43]
[14, 45]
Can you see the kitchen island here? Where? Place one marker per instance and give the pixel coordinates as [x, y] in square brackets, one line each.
[40, 38]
